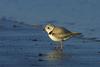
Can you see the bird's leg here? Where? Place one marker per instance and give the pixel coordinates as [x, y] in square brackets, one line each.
[57, 45]
[61, 45]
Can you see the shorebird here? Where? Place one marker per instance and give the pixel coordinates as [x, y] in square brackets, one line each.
[59, 34]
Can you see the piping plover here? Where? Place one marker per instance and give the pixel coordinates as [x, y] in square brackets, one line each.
[59, 34]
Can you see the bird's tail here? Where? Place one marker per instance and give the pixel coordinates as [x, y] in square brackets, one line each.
[75, 33]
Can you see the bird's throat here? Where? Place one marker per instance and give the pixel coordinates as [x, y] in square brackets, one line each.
[50, 32]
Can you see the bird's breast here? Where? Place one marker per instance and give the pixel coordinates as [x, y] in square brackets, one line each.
[54, 38]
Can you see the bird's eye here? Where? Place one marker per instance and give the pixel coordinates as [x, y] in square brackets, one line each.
[48, 27]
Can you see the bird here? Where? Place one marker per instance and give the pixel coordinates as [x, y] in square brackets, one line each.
[59, 34]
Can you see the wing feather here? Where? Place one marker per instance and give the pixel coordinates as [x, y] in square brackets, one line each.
[60, 32]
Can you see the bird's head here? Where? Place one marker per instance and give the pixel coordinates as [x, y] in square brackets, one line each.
[49, 28]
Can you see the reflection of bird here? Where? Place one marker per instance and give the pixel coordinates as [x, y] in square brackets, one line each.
[59, 34]
[56, 54]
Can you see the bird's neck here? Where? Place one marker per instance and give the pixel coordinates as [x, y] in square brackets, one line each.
[50, 32]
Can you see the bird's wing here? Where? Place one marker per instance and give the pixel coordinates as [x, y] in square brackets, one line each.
[62, 36]
[60, 32]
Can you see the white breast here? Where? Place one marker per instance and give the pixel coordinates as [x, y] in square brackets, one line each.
[54, 38]
[57, 39]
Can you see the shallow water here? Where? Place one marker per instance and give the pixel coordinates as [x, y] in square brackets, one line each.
[27, 48]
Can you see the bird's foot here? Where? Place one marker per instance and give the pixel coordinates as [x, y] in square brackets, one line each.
[58, 48]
